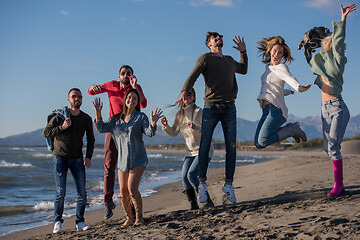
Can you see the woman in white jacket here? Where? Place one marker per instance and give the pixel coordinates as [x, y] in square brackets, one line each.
[188, 121]
[275, 54]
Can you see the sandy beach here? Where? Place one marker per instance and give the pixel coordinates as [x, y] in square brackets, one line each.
[284, 198]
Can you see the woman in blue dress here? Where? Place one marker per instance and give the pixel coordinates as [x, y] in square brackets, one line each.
[127, 129]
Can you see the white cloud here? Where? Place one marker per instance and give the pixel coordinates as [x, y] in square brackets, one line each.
[216, 3]
[125, 21]
[321, 4]
[62, 12]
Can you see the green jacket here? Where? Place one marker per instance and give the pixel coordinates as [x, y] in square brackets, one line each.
[331, 63]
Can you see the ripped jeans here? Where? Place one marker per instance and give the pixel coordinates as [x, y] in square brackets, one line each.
[335, 116]
[77, 169]
[210, 118]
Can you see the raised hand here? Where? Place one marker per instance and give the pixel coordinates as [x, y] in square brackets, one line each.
[164, 121]
[240, 44]
[345, 11]
[155, 117]
[133, 81]
[98, 105]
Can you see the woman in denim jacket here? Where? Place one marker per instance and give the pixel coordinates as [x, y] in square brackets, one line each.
[329, 65]
[127, 129]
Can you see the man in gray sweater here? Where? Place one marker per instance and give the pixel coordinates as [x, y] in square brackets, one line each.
[220, 94]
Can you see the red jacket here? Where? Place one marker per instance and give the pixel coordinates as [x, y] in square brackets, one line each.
[116, 96]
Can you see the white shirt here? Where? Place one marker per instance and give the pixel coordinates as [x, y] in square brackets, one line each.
[272, 86]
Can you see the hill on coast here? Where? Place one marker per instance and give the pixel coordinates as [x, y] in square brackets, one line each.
[245, 132]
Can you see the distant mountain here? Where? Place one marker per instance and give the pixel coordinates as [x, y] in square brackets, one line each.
[245, 132]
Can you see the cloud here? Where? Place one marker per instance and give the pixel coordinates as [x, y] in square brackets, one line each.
[321, 4]
[216, 3]
[126, 21]
[62, 12]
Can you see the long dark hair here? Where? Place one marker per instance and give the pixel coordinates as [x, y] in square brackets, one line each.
[180, 114]
[125, 108]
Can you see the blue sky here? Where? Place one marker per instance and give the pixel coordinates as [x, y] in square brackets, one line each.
[49, 46]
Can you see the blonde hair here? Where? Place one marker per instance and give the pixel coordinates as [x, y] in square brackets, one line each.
[326, 43]
[266, 44]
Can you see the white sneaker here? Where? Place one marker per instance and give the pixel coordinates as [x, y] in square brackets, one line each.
[229, 192]
[57, 227]
[81, 226]
[202, 193]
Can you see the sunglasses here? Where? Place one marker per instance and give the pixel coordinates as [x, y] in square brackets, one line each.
[128, 73]
[189, 94]
[76, 96]
[216, 35]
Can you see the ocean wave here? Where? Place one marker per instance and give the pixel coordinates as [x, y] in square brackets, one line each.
[13, 210]
[47, 206]
[147, 192]
[44, 206]
[42, 155]
[29, 149]
[246, 161]
[4, 164]
[155, 155]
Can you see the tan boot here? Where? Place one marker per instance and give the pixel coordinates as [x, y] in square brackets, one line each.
[137, 202]
[125, 202]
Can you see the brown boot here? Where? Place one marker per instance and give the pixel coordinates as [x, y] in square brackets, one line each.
[125, 202]
[137, 202]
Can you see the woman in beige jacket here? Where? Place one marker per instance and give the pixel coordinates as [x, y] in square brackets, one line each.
[188, 121]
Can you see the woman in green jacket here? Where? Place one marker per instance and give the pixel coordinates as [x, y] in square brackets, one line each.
[329, 65]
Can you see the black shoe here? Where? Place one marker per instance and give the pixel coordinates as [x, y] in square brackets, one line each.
[194, 206]
[191, 196]
[209, 202]
[108, 210]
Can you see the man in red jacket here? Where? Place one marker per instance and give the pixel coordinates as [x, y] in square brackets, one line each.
[116, 91]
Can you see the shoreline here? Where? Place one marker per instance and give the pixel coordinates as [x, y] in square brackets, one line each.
[92, 215]
[282, 181]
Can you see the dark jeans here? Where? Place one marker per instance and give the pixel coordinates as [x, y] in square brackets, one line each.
[110, 164]
[77, 169]
[211, 116]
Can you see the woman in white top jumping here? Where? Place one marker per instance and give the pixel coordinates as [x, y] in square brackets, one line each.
[275, 54]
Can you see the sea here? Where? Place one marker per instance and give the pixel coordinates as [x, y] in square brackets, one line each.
[27, 185]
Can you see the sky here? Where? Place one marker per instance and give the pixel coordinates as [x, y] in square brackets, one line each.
[48, 47]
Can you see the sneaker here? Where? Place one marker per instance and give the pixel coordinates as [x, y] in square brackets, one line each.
[57, 227]
[203, 193]
[229, 192]
[108, 210]
[81, 226]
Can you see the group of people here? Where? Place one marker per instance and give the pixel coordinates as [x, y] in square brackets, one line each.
[124, 148]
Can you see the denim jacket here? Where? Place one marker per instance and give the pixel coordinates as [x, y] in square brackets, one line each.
[128, 139]
[64, 113]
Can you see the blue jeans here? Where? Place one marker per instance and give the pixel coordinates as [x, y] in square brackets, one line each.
[77, 168]
[190, 172]
[210, 117]
[270, 122]
[335, 116]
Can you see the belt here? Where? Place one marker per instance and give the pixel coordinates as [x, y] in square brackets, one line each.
[223, 105]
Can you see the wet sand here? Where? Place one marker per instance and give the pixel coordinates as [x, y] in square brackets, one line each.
[284, 198]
